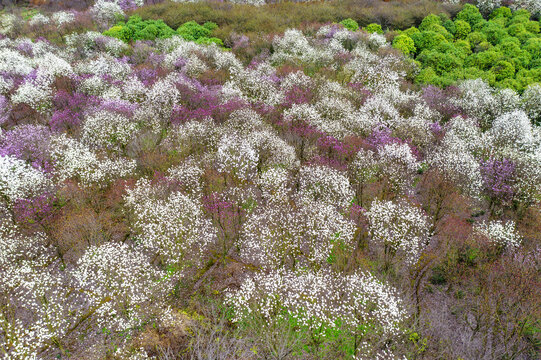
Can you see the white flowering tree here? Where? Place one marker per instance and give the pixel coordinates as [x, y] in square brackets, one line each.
[326, 185]
[39, 307]
[236, 157]
[108, 130]
[317, 303]
[75, 160]
[122, 286]
[399, 229]
[278, 236]
[502, 235]
[399, 166]
[18, 180]
[363, 170]
[171, 227]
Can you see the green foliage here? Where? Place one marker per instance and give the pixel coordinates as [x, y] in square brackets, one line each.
[427, 40]
[373, 28]
[505, 51]
[138, 29]
[501, 12]
[404, 43]
[442, 63]
[210, 25]
[494, 32]
[450, 26]
[503, 70]
[429, 21]
[192, 31]
[462, 29]
[350, 24]
[412, 30]
[470, 14]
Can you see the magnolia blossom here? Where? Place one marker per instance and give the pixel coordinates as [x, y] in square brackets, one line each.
[399, 228]
[73, 159]
[121, 283]
[278, 236]
[498, 233]
[236, 157]
[319, 300]
[326, 185]
[108, 130]
[399, 165]
[172, 226]
[18, 180]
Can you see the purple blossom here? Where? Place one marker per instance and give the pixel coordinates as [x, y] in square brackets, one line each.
[127, 4]
[180, 63]
[26, 48]
[436, 129]
[498, 178]
[68, 110]
[381, 136]
[4, 109]
[326, 161]
[29, 143]
[120, 106]
[438, 99]
[297, 95]
[65, 120]
[37, 210]
[240, 41]
[200, 101]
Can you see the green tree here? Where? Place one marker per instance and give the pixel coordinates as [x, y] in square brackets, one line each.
[470, 14]
[462, 29]
[373, 28]
[427, 40]
[503, 70]
[404, 43]
[350, 24]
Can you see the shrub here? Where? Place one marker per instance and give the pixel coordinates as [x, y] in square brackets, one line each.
[138, 29]
[429, 21]
[470, 14]
[503, 70]
[494, 50]
[373, 28]
[462, 29]
[404, 43]
[501, 12]
[494, 32]
[427, 40]
[192, 31]
[350, 24]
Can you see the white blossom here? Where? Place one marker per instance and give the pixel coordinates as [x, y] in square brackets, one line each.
[73, 159]
[326, 185]
[320, 299]
[278, 236]
[399, 228]
[498, 233]
[171, 226]
[18, 180]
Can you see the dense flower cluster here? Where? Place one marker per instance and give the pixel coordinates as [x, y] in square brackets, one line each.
[500, 234]
[169, 225]
[277, 236]
[119, 282]
[75, 160]
[18, 180]
[301, 295]
[321, 300]
[399, 228]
